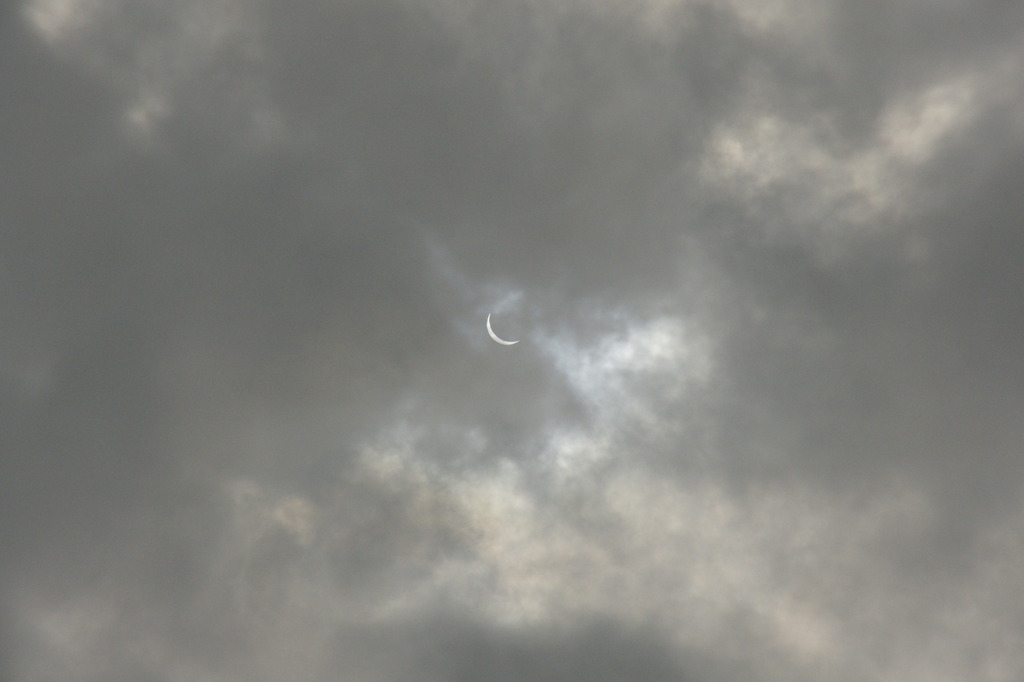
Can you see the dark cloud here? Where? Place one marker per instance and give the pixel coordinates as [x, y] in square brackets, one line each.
[762, 422]
[453, 648]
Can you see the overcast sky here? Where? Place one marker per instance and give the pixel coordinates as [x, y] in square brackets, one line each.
[765, 260]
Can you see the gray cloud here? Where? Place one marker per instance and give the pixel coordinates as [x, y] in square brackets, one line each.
[762, 422]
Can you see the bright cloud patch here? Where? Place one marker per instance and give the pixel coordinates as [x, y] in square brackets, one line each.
[607, 372]
[767, 158]
[161, 55]
[629, 544]
[913, 129]
[257, 513]
[56, 20]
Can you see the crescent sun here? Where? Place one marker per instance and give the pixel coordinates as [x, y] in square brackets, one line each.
[496, 337]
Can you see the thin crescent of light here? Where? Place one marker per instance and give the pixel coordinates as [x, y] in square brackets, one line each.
[496, 337]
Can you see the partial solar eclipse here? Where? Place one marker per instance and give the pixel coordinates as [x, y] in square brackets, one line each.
[496, 337]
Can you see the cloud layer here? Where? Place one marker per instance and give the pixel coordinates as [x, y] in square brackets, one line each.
[763, 422]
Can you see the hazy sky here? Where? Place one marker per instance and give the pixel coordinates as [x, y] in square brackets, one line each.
[765, 259]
